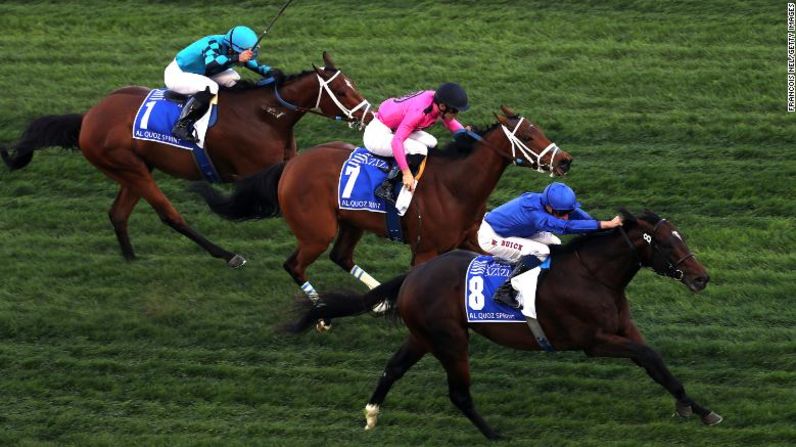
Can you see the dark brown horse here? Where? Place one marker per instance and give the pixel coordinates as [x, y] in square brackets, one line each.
[581, 305]
[450, 199]
[254, 131]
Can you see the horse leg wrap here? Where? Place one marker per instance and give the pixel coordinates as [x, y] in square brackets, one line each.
[363, 276]
[310, 291]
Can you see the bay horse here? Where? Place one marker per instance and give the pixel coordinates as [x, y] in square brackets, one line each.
[581, 305]
[254, 131]
[447, 205]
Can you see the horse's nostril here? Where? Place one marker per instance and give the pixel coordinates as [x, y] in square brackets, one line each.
[701, 281]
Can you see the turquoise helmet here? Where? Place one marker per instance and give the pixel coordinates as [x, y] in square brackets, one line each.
[560, 197]
[240, 39]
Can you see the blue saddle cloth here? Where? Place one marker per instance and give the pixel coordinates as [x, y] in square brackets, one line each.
[156, 118]
[485, 275]
[360, 175]
[154, 121]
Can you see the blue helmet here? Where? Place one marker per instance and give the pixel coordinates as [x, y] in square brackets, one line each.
[560, 197]
[240, 39]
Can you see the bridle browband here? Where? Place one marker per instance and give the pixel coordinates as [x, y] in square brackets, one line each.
[323, 85]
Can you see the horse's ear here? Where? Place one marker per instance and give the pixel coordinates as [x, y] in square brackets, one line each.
[507, 111]
[327, 59]
[627, 217]
[502, 119]
[317, 70]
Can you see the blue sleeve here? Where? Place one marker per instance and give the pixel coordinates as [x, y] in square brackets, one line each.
[579, 214]
[256, 67]
[546, 222]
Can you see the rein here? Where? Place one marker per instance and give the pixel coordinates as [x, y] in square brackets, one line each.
[324, 86]
[591, 272]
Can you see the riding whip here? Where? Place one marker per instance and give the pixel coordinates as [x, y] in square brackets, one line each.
[272, 22]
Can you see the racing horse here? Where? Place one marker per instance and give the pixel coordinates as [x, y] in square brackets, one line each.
[580, 303]
[254, 131]
[447, 204]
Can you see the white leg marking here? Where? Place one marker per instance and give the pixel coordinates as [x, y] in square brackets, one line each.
[371, 416]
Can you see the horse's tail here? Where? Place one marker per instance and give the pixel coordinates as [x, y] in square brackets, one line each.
[255, 197]
[336, 305]
[51, 130]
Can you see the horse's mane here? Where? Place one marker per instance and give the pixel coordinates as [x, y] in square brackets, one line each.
[462, 146]
[629, 222]
[248, 84]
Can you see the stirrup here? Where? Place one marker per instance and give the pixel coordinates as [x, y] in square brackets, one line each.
[185, 132]
[384, 192]
[506, 294]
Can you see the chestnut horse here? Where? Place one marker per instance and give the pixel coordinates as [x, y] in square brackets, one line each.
[449, 200]
[580, 303]
[254, 131]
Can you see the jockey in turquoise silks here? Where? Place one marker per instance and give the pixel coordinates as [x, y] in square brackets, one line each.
[201, 66]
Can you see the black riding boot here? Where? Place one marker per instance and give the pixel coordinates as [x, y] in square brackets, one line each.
[385, 190]
[505, 293]
[194, 108]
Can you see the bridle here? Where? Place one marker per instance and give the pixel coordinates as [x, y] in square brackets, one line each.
[670, 269]
[527, 153]
[323, 85]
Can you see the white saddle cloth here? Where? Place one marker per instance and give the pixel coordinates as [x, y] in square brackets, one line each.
[201, 124]
[525, 284]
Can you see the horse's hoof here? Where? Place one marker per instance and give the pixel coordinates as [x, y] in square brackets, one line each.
[237, 262]
[321, 326]
[381, 308]
[683, 410]
[371, 416]
[711, 418]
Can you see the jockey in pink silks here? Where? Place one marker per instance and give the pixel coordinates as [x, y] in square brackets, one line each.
[397, 129]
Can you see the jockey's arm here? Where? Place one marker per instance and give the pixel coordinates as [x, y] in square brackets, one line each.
[579, 214]
[407, 126]
[453, 125]
[546, 222]
[256, 67]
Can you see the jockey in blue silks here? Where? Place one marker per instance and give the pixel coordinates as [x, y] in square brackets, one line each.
[201, 66]
[521, 229]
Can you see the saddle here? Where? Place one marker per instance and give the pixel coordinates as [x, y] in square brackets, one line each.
[175, 97]
[413, 160]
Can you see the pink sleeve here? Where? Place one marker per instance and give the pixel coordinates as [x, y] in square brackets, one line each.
[452, 125]
[407, 126]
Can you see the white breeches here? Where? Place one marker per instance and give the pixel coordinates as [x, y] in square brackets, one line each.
[190, 83]
[378, 140]
[513, 248]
